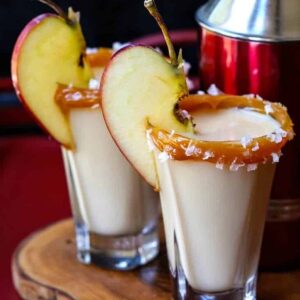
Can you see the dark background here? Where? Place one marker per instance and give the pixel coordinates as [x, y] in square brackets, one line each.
[103, 21]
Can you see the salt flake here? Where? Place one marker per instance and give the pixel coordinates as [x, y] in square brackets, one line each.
[190, 150]
[163, 156]
[200, 92]
[190, 84]
[220, 165]
[207, 154]
[76, 96]
[278, 138]
[213, 90]
[186, 67]
[185, 114]
[245, 141]
[255, 147]
[268, 108]
[235, 166]
[271, 136]
[275, 157]
[94, 84]
[91, 50]
[251, 167]
[280, 131]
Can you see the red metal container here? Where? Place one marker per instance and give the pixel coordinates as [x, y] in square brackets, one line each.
[254, 47]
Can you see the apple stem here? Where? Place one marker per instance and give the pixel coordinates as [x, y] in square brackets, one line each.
[152, 9]
[57, 9]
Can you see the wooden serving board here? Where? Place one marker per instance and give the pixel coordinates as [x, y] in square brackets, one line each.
[45, 268]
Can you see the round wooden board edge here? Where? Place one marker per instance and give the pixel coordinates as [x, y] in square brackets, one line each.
[27, 287]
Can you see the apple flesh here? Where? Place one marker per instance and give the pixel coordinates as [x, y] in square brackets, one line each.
[49, 51]
[140, 86]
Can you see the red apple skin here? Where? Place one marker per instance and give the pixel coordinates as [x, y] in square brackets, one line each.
[103, 110]
[15, 62]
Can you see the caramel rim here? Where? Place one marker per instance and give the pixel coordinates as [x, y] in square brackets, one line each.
[237, 152]
[68, 97]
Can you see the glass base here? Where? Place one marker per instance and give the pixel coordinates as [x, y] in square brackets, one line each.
[183, 291]
[116, 253]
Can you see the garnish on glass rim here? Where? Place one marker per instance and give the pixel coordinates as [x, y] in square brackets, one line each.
[37, 66]
[254, 150]
[68, 97]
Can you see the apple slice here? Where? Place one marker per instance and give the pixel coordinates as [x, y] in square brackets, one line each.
[139, 86]
[50, 50]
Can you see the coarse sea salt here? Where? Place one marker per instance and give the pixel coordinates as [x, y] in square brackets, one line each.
[190, 84]
[207, 154]
[94, 84]
[235, 166]
[246, 140]
[200, 92]
[255, 147]
[186, 67]
[91, 50]
[275, 157]
[190, 150]
[219, 165]
[268, 109]
[185, 114]
[76, 96]
[163, 157]
[271, 136]
[277, 135]
[213, 90]
[280, 131]
[251, 167]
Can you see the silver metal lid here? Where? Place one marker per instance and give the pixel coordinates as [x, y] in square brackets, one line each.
[258, 20]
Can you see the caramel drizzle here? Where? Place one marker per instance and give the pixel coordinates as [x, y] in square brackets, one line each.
[179, 147]
[68, 97]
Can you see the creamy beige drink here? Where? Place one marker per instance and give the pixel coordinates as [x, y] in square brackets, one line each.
[115, 210]
[113, 198]
[214, 203]
[217, 215]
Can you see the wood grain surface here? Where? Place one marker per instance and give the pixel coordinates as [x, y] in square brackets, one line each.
[45, 268]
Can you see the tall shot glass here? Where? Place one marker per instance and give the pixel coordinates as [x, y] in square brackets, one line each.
[214, 190]
[115, 212]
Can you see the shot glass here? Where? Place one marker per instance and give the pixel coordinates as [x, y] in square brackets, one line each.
[214, 190]
[115, 212]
